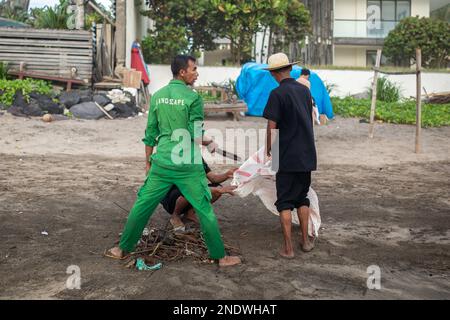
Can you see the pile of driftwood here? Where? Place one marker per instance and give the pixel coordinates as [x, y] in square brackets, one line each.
[165, 245]
[438, 98]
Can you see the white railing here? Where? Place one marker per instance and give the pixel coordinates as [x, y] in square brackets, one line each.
[362, 28]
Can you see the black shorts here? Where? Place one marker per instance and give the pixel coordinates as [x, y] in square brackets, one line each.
[172, 196]
[292, 190]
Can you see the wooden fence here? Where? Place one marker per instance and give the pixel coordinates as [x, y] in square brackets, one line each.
[50, 52]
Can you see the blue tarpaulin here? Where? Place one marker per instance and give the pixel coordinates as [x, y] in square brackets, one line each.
[255, 84]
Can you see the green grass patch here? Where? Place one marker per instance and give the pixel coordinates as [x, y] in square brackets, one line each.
[404, 112]
[8, 89]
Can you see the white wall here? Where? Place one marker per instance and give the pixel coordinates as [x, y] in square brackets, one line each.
[350, 9]
[352, 82]
[350, 56]
[420, 8]
[357, 9]
[131, 30]
[160, 75]
[347, 82]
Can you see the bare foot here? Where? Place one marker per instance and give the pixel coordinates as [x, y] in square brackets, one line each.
[308, 246]
[115, 253]
[310, 239]
[228, 261]
[287, 254]
[176, 223]
[191, 216]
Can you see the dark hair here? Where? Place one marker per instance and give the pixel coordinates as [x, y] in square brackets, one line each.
[181, 62]
[305, 72]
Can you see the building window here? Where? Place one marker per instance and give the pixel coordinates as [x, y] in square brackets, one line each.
[384, 15]
[403, 9]
[392, 10]
[371, 57]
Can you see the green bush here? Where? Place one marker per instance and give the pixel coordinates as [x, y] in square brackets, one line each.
[387, 91]
[55, 17]
[10, 87]
[433, 115]
[3, 70]
[432, 36]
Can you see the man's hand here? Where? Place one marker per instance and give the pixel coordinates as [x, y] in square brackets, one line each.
[228, 189]
[148, 154]
[147, 167]
[267, 156]
[230, 172]
[212, 146]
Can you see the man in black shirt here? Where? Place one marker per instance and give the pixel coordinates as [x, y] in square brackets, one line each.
[289, 110]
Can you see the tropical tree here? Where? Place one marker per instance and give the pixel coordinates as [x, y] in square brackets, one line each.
[13, 12]
[188, 26]
[289, 22]
[180, 26]
[431, 36]
[238, 21]
[55, 17]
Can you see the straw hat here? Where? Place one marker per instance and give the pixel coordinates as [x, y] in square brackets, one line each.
[279, 61]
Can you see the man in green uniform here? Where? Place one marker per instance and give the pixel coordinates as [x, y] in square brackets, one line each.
[175, 126]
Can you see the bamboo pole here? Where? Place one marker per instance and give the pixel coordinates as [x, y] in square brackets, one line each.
[418, 100]
[374, 93]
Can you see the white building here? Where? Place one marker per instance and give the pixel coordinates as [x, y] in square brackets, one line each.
[360, 26]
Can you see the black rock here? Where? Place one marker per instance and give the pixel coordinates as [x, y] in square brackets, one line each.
[87, 110]
[85, 92]
[125, 110]
[19, 100]
[16, 111]
[33, 109]
[86, 99]
[113, 113]
[101, 99]
[47, 104]
[70, 98]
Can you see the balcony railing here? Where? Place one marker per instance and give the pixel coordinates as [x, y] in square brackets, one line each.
[363, 28]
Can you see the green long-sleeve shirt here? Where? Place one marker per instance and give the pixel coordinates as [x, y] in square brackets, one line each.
[175, 119]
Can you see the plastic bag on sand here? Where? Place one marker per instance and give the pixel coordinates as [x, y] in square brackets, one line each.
[256, 177]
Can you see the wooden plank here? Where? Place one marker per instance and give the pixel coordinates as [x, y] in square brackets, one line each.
[81, 74]
[132, 78]
[38, 50]
[108, 42]
[224, 107]
[99, 28]
[374, 94]
[47, 61]
[55, 69]
[47, 43]
[24, 57]
[59, 69]
[51, 77]
[83, 78]
[44, 38]
[46, 33]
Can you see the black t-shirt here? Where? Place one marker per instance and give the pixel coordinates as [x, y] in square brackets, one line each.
[290, 107]
[206, 167]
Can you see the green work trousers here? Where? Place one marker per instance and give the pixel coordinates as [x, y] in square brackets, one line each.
[194, 187]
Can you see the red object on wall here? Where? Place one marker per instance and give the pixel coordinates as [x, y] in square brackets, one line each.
[138, 63]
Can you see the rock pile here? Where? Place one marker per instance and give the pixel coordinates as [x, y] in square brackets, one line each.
[81, 104]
